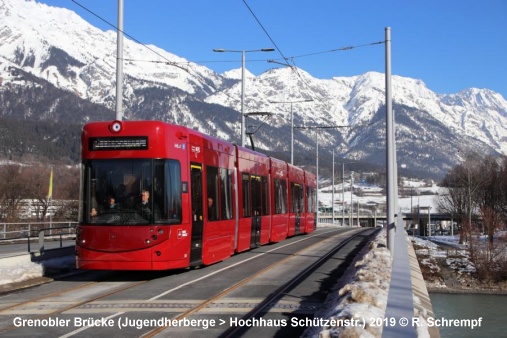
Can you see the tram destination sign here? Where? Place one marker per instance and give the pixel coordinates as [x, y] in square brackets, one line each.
[118, 143]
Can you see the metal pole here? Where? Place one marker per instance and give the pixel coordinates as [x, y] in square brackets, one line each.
[411, 210]
[351, 214]
[243, 98]
[391, 183]
[291, 135]
[343, 194]
[119, 63]
[243, 52]
[332, 193]
[317, 160]
[429, 221]
[358, 224]
[292, 124]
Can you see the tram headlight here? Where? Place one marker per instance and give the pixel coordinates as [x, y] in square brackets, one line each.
[115, 127]
[147, 241]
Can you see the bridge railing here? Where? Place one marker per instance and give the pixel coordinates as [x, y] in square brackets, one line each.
[367, 218]
[18, 231]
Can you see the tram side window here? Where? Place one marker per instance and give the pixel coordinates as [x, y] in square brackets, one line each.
[301, 197]
[247, 205]
[256, 195]
[212, 189]
[226, 193]
[311, 199]
[292, 197]
[167, 191]
[280, 196]
[265, 200]
[296, 197]
[196, 191]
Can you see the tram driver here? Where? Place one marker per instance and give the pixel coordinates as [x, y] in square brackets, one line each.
[144, 208]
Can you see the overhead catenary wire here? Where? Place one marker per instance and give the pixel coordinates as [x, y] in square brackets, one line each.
[172, 63]
[293, 67]
[339, 49]
[289, 60]
[264, 29]
[335, 50]
[167, 61]
[187, 63]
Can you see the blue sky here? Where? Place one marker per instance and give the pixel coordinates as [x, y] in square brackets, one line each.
[450, 45]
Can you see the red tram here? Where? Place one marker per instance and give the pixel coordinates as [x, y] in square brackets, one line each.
[157, 196]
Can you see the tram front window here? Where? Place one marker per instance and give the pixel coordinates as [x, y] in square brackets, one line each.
[131, 191]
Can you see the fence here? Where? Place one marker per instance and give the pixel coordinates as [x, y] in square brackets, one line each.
[15, 231]
[363, 218]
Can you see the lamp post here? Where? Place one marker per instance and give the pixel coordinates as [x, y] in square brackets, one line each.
[351, 213]
[343, 194]
[332, 192]
[292, 125]
[243, 52]
[119, 63]
[317, 153]
[343, 191]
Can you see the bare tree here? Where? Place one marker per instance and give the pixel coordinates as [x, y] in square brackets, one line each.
[464, 182]
[37, 185]
[12, 192]
[20, 185]
[489, 196]
[492, 221]
[66, 187]
[502, 188]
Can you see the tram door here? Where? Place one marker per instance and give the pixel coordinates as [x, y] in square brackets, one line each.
[256, 208]
[197, 214]
[297, 206]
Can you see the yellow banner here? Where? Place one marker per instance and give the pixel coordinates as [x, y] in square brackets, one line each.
[50, 191]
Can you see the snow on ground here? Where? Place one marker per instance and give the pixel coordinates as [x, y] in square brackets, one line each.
[459, 261]
[422, 196]
[363, 291]
[18, 269]
[21, 268]
[429, 250]
[361, 294]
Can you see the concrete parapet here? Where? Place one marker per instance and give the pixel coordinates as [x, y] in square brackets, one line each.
[421, 298]
[408, 303]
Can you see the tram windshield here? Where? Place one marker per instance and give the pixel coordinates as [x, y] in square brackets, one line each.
[131, 191]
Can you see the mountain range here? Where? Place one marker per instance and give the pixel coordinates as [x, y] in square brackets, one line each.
[58, 70]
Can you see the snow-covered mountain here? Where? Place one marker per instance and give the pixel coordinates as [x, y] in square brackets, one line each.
[49, 47]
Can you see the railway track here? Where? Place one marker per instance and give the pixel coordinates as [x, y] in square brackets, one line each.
[269, 282]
